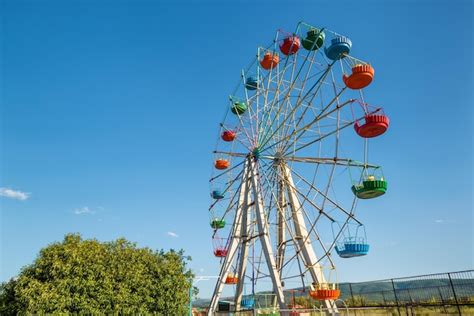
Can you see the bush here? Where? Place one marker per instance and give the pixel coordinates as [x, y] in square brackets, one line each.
[90, 277]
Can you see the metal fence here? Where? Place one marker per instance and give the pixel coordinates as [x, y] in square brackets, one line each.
[442, 289]
[432, 294]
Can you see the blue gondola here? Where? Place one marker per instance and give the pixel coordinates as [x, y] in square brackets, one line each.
[217, 194]
[247, 302]
[352, 247]
[340, 46]
[252, 83]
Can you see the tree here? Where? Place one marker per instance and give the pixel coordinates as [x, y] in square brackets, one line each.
[90, 277]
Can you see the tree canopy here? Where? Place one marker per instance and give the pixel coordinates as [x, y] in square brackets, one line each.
[88, 276]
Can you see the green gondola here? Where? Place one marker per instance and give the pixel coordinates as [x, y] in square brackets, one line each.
[370, 188]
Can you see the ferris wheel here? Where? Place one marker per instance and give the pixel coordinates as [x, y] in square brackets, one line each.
[291, 163]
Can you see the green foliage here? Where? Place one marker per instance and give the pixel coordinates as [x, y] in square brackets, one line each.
[90, 277]
[356, 301]
[304, 301]
[8, 303]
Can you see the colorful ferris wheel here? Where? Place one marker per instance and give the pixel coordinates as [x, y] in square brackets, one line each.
[291, 163]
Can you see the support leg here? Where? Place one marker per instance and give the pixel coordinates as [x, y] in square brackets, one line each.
[244, 249]
[234, 243]
[281, 222]
[309, 256]
[262, 224]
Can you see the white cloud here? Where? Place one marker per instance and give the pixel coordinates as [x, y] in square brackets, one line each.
[13, 194]
[439, 221]
[172, 234]
[83, 210]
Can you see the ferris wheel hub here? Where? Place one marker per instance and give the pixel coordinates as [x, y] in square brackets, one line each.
[278, 157]
[256, 152]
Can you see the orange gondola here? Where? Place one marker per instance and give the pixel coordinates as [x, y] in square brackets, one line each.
[325, 291]
[231, 279]
[269, 61]
[362, 75]
[221, 164]
[374, 125]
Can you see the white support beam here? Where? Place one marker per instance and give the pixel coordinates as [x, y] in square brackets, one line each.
[281, 222]
[234, 243]
[309, 256]
[262, 224]
[244, 249]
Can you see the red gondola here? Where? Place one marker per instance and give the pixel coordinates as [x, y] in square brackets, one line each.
[220, 247]
[374, 125]
[290, 45]
[220, 253]
[228, 136]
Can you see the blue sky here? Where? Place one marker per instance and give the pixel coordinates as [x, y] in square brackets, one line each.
[109, 113]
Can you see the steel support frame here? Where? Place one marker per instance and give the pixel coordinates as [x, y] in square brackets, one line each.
[302, 238]
[242, 207]
[241, 232]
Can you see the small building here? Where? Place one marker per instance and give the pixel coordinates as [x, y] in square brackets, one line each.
[226, 306]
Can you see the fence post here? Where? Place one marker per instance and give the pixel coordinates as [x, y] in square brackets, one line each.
[396, 298]
[454, 293]
[442, 300]
[409, 295]
[352, 296]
